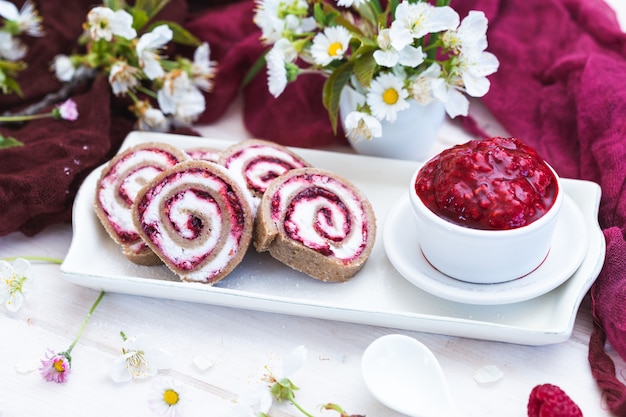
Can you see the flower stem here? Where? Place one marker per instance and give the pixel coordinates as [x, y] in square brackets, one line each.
[56, 261]
[24, 118]
[82, 327]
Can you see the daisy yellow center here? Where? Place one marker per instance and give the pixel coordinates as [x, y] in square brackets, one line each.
[170, 397]
[334, 48]
[390, 96]
[58, 366]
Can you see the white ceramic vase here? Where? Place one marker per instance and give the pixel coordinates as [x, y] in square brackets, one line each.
[410, 137]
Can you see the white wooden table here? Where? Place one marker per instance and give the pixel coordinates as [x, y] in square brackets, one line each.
[241, 343]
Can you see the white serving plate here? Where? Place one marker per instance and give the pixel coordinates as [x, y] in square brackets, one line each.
[377, 295]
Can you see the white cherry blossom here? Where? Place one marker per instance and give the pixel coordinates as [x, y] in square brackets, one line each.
[140, 359]
[414, 20]
[123, 77]
[63, 68]
[180, 98]
[361, 126]
[146, 48]
[471, 34]
[11, 48]
[388, 56]
[422, 86]
[455, 103]
[276, 18]
[475, 67]
[104, 23]
[203, 69]
[15, 281]
[27, 19]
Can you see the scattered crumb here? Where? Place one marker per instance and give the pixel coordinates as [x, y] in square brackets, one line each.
[203, 362]
[488, 374]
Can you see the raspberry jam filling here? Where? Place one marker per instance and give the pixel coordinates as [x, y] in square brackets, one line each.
[491, 184]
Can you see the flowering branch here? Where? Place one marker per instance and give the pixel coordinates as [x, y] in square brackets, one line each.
[121, 44]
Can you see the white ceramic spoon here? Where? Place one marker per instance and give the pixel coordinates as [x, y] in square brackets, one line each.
[404, 375]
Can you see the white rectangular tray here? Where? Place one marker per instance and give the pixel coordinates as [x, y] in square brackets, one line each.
[377, 295]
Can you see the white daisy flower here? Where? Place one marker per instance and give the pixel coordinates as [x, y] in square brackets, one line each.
[63, 68]
[15, 281]
[361, 126]
[422, 86]
[28, 19]
[203, 69]
[11, 48]
[123, 77]
[414, 20]
[471, 34]
[330, 45]
[281, 54]
[169, 398]
[180, 98]
[104, 23]
[387, 96]
[148, 43]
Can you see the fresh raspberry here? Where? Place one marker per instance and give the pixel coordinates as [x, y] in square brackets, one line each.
[548, 400]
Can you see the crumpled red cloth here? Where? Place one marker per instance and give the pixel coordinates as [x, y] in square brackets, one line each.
[561, 87]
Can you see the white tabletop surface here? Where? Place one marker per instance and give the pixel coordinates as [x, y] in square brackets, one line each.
[242, 343]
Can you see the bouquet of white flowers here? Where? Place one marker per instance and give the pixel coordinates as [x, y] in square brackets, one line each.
[396, 54]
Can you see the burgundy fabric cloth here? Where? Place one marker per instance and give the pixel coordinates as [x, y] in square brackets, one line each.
[38, 182]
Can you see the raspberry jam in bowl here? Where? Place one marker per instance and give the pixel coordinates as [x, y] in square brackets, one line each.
[486, 210]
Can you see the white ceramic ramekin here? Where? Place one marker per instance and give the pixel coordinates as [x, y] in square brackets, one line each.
[484, 256]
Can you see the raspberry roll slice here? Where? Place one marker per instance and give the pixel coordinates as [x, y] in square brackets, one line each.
[316, 222]
[117, 188]
[197, 219]
[254, 163]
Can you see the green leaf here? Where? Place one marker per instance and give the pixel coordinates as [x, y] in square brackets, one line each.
[364, 67]
[254, 70]
[181, 35]
[140, 18]
[332, 91]
[151, 7]
[13, 86]
[9, 142]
